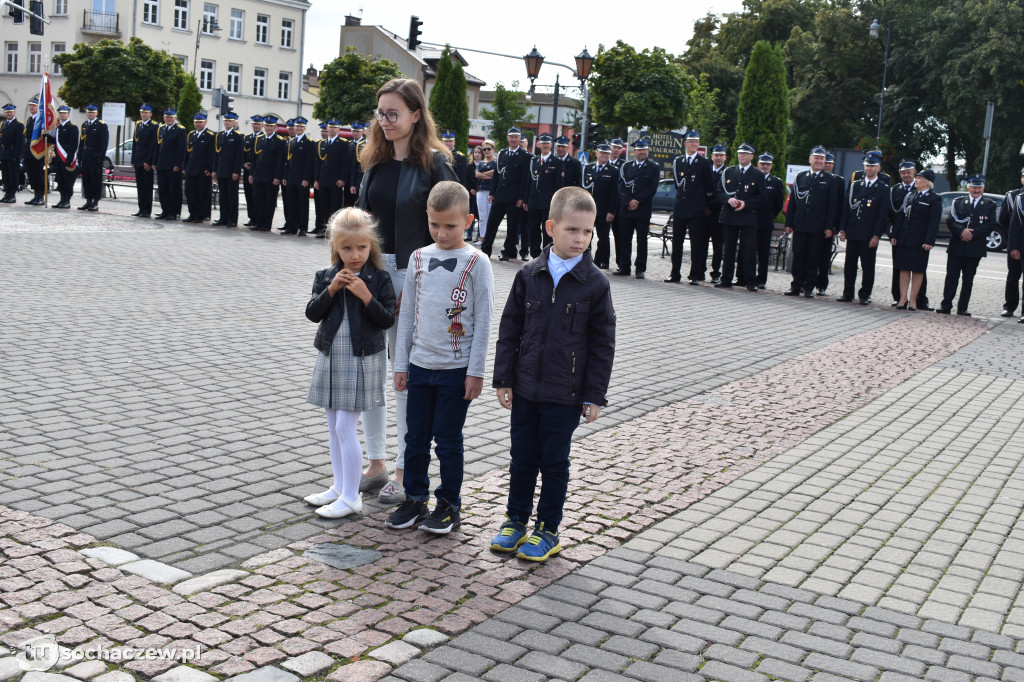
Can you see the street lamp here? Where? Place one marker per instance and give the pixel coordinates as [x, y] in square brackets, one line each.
[874, 31]
[534, 61]
[207, 25]
[584, 61]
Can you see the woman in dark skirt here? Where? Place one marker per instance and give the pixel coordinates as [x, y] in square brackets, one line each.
[915, 236]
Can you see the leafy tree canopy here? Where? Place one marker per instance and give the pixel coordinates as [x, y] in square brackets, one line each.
[508, 110]
[349, 84]
[640, 89]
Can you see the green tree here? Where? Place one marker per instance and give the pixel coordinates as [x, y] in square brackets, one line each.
[189, 103]
[111, 71]
[640, 89]
[705, 116]
[762, 117]
[508, 110]
[448, 99]
[349, 84]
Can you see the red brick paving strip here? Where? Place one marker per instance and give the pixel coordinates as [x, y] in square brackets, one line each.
[625, 479]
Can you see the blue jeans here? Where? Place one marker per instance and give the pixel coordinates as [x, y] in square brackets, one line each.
[436, 411]
[541, 436]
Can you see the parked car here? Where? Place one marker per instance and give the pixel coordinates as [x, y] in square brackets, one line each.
[996, 238]
[665, 198]
[126, 156]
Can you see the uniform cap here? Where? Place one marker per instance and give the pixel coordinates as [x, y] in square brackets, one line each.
[230, 116]
[544, 137]
[872, 159]
[928, 174]
[200, 116]
[766, 158]
[91, 107]
[34, 99]
[323, 125]
[691, 135]
[357, 126]
[447, 135]
[64, 107]
[300, 121]
[290, 122]
[170, 112]
[830, 157]
[513, 131]
[745, 149]
[908, 164]
[616, 142]
[256, 118]
[976, 181]
[718, 149]
[9, 107]
[145, 107]
[562, 141]
[819, 151]
[640, 144]
[334, 123]
[605, 147]
[270, 118]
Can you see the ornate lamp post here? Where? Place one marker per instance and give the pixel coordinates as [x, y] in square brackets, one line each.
[874, 31]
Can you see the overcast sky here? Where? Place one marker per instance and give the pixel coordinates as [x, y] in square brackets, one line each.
[489, 26]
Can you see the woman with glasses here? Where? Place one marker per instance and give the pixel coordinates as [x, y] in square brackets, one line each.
[403, 158]
[484, 181]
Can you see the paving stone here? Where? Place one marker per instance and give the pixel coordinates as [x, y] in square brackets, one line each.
[503, 652]
[612, 624]
[340, 556]
[87, 670]
[595, 658]
[426, 639]
[508, 673]
[370, 671]
[674, 640]
[552, 666]
[116, 676]
[183, 673]
[885, 661]
[539, 641]
[768, 648]
[844, 668]
[156, 571]
[528, 619]
[731, 655]
[649, 672]
[716, 670]
[266, 674]
[109, 555]
[309, 664]
[205, 583]
[9, 668]
[783, 671]
[629, 646]
[395, 653]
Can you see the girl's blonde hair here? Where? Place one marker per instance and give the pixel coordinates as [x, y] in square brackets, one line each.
[353, 223]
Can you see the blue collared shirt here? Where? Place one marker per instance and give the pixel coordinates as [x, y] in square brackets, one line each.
[558, 266]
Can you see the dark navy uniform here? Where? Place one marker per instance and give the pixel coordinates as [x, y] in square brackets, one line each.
[200, 147]
[248, 161]
[813, 211]
[740, 225]
[774, 198]
[713, 232]
[571, 166]
[94, 139]
[637, 181]
[266, 176]
[509, 187]
[966, 216]
[333, 161]
[920, 225]
[356, 169]
[12, 148]
[695, 190]
[863, 223]
[298, 151]
[170, 159]
[897, 196]
[545, 180]
[229, 149]
[33, 166]
[602, 182]
[65, 170]
[143, 155]
[1012, 293]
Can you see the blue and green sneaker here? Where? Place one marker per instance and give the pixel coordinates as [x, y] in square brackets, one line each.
[541, 545]
[511, 535]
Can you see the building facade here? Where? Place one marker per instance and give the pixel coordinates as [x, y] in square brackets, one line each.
[250, 48]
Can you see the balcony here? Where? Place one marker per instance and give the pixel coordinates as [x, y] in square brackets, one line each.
[100, 23]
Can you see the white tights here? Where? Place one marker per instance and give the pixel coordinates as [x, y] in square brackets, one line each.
[346, 453]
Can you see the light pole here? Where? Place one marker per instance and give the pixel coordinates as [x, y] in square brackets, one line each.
[874, 31]
[205, 24]
[583, 64]
[534, 60]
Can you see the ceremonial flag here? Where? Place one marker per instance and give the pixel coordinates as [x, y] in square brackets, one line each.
[46, 122]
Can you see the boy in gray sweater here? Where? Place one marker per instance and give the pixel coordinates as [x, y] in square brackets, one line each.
[440, 356]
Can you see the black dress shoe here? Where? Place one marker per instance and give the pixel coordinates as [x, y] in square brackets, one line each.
[85, 207]
[94, 207]
[694, 282]
[716, 280]
[284, 232]
[901, 307]
[791, 292]
[808, 294]
[673, 280]
[602, 266]
[751, 287]
[925, 307]
[894, 304]
[217, 222]
[31, 202]
[316, 230]
[943, 311]
[301, 233]
[143, 215]
[321, 235]
[190, 219]
[137, 214]
[9, 199]
[864, 301]
[503, 258]
[723, 285]
[1006, 313]
[249, 224]
[621, 273]
[230, 224]
[761, 286]
[845, 299]
[963, 313]
[158, 216]
[639, 275]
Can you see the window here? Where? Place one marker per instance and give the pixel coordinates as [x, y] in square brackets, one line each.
[183, 60]
[56, 49]
[60, 7]
[284, 81]
[287, 31]
[237, 22]
[209, 18]
[234, 78]
[12, 58]
[35, 58]
[206, 74]
[20, 3]
[151, 12]
[181, 15]
[259, 82]
[262, 29]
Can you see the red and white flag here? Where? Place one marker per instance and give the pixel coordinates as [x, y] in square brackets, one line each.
[45, 123]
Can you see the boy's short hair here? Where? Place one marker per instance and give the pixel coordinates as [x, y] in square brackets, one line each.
[449, 194]
[571, 199]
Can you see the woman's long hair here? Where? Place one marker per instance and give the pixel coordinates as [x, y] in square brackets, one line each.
[422, 142]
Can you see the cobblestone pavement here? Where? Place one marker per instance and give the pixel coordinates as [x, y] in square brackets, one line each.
[779, 503]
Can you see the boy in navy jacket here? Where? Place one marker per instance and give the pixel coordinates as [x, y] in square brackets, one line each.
[556, 342]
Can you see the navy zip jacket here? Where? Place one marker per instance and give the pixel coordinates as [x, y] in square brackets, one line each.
[557, 346]
[366, 324]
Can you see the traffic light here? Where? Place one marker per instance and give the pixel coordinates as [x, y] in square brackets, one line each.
[35, 23]
[414, 32]
[576, 141]
[225, 103]
[17, 14]
[592, 133]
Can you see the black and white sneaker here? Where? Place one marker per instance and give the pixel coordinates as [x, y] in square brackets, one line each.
[408, 514]
[442, 520]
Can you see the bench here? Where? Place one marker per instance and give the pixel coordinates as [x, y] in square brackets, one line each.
[124, 176]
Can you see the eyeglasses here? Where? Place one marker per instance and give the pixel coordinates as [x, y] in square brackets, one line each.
[488, 149]
[391, 116]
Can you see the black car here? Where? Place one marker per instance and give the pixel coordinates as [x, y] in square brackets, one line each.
[995, 240]
[665, 198]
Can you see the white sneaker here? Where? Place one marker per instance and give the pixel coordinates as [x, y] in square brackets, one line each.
[340, 508]
[320, 499]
